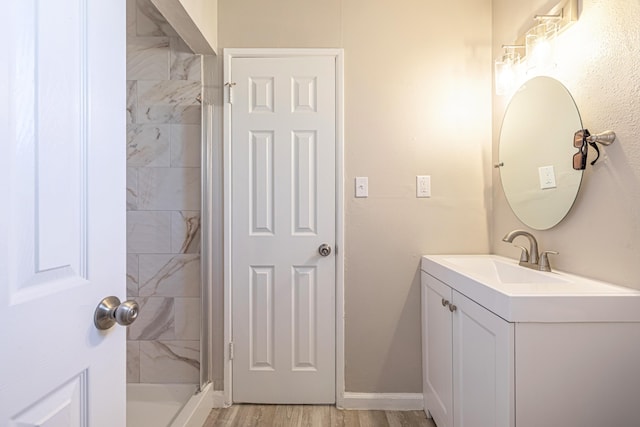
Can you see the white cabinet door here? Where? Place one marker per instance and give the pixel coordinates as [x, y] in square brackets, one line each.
[483, 366]
[437, 351]
[62, 221]
[468, 360]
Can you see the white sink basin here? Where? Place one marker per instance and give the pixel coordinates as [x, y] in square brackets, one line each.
[500, 271]
[521, 294]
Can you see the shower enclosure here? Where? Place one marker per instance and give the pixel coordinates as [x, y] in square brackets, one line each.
[168, 347]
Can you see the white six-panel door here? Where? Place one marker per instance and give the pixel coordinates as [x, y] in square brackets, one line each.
[283, 148]
[62, 215]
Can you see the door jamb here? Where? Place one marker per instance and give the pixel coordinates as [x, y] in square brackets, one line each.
[338, 54]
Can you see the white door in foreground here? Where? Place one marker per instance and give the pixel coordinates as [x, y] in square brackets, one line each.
[62, 221]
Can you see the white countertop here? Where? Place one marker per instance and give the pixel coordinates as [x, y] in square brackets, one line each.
[519, 294]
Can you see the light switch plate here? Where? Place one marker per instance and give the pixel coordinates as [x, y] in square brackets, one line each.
[362, 186]
[423, 186]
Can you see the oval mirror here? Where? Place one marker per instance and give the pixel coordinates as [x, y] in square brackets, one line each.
[536, 153]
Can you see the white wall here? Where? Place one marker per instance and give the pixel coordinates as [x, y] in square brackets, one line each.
[196, 21]
[417, 96]
[598, 61]
[205, 15]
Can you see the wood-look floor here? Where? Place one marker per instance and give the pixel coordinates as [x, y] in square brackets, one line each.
[311, 416]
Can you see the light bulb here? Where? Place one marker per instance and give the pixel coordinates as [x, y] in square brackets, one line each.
[506, 72]
[540, 49]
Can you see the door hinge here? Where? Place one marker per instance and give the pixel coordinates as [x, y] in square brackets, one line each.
[231, 350]
[230, 85]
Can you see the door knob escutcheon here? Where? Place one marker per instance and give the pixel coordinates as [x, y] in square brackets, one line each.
[111, 311]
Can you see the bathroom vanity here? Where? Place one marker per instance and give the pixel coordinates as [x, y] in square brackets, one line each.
[504, 345]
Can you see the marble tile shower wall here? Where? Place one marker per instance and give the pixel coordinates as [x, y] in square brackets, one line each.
[163, 200]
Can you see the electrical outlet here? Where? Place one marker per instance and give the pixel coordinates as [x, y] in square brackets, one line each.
[547, 177]
[423, 186]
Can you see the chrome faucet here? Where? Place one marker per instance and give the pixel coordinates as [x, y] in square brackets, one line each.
[530, 258]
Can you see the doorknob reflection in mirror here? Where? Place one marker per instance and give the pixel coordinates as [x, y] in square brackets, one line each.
[110, 311]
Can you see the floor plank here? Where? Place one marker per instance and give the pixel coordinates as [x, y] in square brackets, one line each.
[288, 415]
[372, 418]
[246, 415]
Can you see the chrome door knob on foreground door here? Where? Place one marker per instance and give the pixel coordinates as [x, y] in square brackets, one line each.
[324, 249]
[110, 311]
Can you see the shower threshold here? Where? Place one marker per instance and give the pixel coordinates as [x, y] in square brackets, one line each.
[156, 404]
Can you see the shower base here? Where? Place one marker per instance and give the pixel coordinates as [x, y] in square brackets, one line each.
[156, 404]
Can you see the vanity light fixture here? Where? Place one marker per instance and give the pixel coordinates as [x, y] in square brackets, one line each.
[507, 69]
[538, 44]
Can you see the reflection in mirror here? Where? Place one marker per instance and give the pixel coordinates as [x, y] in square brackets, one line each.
[537, 151]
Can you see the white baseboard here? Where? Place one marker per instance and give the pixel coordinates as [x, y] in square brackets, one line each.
[382, 401]
[218, 399]
[197, 409]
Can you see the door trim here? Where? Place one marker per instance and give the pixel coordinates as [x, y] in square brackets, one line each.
[338, 54]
